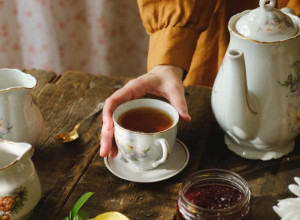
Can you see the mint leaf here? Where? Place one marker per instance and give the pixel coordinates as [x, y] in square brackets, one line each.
[76, 213]
[80, 203]
[81, 215]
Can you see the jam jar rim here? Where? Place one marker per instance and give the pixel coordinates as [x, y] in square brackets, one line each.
[226, 211]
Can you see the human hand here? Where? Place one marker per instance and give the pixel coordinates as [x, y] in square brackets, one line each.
[162, 80]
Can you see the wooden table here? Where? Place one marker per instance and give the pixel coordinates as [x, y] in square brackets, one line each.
[67, 171]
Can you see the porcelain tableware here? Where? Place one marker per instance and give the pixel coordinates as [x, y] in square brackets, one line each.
[20, 118]
[256, 94]
[20, 188]
[179, 158]
[145, 151]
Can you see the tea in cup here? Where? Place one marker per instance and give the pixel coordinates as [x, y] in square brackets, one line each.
[145, 131]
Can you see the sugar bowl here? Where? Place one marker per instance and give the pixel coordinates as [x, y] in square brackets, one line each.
[20, 188]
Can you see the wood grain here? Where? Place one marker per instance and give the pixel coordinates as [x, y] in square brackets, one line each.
[67, 171]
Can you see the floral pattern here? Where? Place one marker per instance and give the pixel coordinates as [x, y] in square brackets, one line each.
[276, 26]
[294, 115]
[11, 204]
[4, 127]
[132, 152]
[100, 37]
[293, 109]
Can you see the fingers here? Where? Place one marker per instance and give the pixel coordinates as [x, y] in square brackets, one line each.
[173, 90]
[130, 91]
[177, 99]
[107, 135]
[163, 81]
[114, 150]
[180, 106]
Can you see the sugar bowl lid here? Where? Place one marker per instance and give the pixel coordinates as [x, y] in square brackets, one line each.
[266, 23]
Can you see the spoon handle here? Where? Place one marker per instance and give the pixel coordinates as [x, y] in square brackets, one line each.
[98, 108]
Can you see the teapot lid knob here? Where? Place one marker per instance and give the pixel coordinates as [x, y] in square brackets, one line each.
[267, 4]
[266, 23]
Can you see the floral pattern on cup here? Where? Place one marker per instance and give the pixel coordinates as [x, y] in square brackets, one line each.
[293, 110]
[4, 127]
[131, 151]
[12, 203]
[276, 26]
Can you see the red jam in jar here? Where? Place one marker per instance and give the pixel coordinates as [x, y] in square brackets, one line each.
[214, 194]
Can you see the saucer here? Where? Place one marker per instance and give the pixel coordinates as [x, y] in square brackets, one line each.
[177, 161]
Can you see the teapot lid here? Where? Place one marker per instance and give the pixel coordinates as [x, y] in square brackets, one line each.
[266, 23]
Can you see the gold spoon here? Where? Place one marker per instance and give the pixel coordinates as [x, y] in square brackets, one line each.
[73, 135]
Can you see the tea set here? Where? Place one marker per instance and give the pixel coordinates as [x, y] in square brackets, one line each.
[20, 118]
[255, 100]
[20, 188]
[21, 125]
[159, 153]
[256, 94]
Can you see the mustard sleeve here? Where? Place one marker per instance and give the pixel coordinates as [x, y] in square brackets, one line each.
[295, 5]
[174, 27]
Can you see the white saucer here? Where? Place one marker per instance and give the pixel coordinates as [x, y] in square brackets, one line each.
[177, 161]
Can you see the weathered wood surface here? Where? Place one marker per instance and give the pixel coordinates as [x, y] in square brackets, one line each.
[67, 171]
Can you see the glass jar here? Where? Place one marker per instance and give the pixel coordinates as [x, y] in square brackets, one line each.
[214, 194]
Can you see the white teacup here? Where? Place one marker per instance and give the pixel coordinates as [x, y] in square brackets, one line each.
[145, 151]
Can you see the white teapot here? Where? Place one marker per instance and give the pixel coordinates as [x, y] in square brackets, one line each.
[20, 118]
[20, 188]
[256, 94]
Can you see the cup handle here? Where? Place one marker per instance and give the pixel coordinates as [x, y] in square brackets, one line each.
[166, 151]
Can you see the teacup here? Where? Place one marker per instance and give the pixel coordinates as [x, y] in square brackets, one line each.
[145, 131]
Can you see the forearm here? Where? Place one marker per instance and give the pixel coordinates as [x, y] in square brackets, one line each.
[174, 27]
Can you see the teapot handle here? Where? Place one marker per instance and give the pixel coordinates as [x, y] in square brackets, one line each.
[267, 5]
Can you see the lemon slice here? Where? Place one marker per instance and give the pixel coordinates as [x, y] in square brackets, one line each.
[111, 216]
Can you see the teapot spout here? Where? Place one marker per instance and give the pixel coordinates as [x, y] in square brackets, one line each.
[235, 108]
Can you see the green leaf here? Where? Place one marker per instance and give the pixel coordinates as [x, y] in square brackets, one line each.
[66, 218]
[81, 215]
[80, 203]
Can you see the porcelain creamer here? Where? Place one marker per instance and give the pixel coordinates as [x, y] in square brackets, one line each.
[256, 94]
[20, 189]
[20, 118]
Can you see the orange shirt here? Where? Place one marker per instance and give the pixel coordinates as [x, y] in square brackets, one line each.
[193, 34]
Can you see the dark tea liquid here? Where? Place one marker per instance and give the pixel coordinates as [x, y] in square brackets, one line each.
[146, 120]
